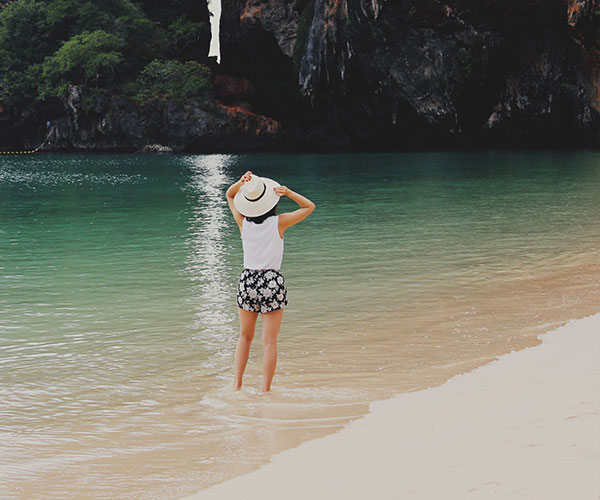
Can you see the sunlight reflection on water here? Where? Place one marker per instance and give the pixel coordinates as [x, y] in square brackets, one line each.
[206, 263]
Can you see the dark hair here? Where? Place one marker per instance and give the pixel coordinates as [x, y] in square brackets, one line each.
[261, 218]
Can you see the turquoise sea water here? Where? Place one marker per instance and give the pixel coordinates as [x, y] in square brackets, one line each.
[118, 318]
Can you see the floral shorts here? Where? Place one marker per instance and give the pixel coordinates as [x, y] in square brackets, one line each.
[261, 290]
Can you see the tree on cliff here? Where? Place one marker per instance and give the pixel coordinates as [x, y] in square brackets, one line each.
[24, 41]
[45, 46]
[88, 58]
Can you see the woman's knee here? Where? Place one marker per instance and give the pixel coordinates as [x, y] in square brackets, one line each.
[247, 334]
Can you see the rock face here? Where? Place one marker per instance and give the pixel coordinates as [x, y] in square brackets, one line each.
[343, 74]
[121, 125]
[425, 72]
[155, 148]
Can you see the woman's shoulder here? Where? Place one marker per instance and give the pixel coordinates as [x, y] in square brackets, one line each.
[272, 220]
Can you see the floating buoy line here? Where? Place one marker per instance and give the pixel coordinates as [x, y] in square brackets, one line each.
[28, 152]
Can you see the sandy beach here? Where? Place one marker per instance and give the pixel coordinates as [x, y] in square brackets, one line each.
[526, 426]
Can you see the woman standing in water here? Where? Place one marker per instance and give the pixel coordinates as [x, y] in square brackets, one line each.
[261, 288]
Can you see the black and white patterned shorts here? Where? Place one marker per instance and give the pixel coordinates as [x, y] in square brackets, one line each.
[261, 290]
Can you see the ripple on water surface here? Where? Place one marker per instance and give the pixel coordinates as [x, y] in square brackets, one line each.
[118, 322]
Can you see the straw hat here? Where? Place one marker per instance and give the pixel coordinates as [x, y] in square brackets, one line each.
[256, 197]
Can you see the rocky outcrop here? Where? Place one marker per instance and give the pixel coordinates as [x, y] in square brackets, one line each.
[155, 148]
[551, 96]
[279, 17]
[584, 17]
[333, 74]
[584, 14]
[119, 124]
[426, 72]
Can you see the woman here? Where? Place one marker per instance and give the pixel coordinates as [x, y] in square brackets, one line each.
[261, 288]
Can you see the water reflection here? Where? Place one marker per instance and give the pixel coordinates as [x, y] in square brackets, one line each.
[206, 262]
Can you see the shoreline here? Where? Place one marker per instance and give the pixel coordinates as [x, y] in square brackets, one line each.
[523, 426]
[489, 252]
[299, 150]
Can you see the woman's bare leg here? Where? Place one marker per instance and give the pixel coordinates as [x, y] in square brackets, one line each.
[242, 350]
[271, 324]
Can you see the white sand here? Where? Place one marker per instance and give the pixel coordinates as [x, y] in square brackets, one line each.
[526, 426]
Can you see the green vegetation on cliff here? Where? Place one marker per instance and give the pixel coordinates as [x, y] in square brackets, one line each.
[88, 58]
[171, 79]
[102, 46]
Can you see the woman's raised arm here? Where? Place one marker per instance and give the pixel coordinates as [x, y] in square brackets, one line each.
[289, 219]
[231, 192]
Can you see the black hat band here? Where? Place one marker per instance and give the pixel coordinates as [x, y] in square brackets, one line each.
[261, 194]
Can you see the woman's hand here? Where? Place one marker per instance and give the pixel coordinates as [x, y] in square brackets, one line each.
[235, 187]
[246, 177]
[282, 191]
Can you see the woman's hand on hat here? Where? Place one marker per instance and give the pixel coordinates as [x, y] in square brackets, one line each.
[246, 177]
[282, 191]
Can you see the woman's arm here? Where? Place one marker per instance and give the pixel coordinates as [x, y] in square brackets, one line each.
[231, 192]
[289, 219]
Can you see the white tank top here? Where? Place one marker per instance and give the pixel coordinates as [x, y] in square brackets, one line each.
[263, 247]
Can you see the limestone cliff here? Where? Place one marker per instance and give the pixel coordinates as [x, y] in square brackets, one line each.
[424, 72]
[343, 74]
[119, 124]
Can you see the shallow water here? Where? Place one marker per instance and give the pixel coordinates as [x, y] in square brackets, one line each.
[118, 321]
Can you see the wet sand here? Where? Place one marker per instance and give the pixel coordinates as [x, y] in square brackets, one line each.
[524, 426]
